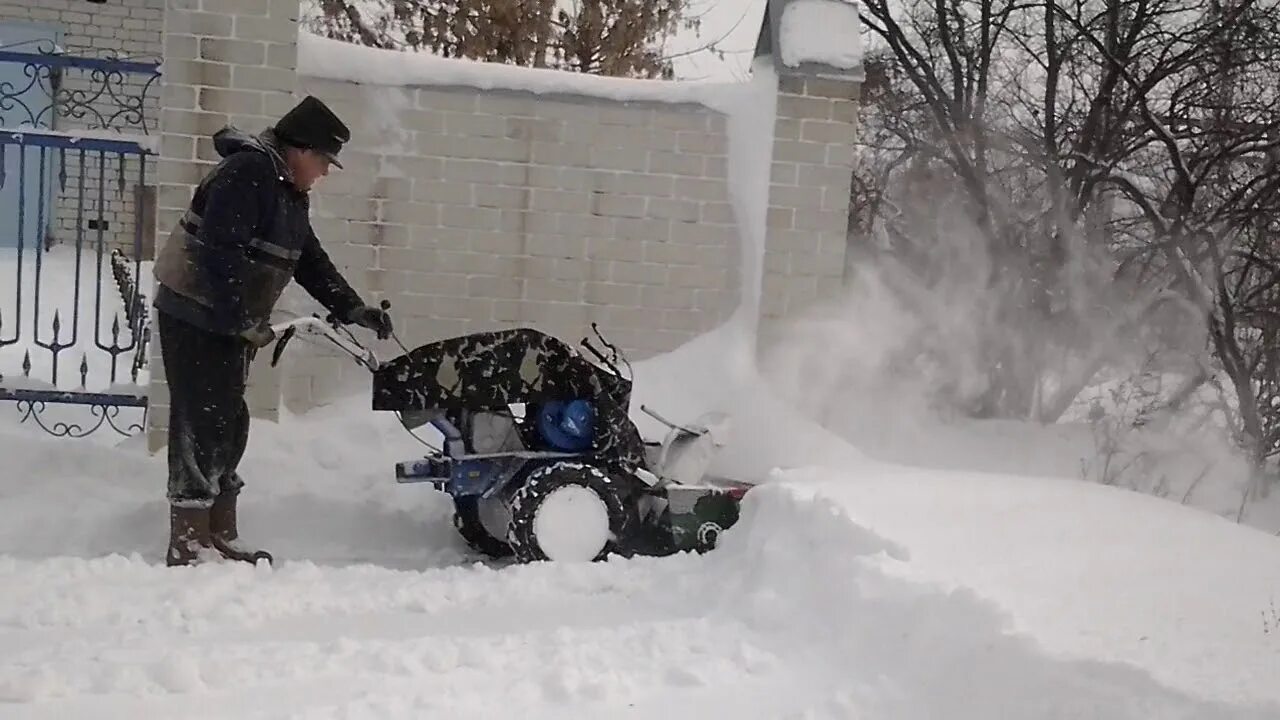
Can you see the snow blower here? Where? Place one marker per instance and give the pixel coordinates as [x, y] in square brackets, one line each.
[538, 451]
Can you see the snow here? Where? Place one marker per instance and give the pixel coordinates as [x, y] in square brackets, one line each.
[321, 57]
[1117, 576]
[873, 592]
[766, 432]
[58, 269]
[751, 130]
[149, 143]
[850, 588]
[821, 31]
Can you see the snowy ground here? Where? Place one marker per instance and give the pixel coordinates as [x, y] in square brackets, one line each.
[850, 589]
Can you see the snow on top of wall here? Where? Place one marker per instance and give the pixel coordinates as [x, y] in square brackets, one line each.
[325, 58]
[821, 31]
[149, 143]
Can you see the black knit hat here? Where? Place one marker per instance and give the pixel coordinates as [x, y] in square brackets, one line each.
[313, 126]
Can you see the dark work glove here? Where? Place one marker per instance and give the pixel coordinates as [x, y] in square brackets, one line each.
[259, 336]
[375, 319]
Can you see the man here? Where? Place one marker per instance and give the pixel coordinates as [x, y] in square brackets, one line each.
[245, 236]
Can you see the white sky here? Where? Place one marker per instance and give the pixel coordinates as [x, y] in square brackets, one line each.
[732, 25]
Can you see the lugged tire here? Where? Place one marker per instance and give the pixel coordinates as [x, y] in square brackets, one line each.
[544, 481]
[466, 518]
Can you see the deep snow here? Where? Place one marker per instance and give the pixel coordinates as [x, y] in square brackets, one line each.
[849, 589]
[51, 277]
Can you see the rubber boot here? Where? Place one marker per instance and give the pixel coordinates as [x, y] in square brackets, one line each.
[189, 539]
[226, 535]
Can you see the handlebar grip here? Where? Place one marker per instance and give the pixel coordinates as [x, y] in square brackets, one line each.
[279, 348]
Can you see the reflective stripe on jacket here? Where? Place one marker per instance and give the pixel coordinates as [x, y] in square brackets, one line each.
[246, 234]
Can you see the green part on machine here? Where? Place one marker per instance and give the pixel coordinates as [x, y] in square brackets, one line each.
[696, 516]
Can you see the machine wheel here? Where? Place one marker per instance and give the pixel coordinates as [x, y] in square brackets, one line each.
[476, 518]
[570, 512]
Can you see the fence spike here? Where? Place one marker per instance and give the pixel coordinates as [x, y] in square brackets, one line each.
[57, 325]
[115, 330]
[26, 364]
[62, 171]
[84, 369]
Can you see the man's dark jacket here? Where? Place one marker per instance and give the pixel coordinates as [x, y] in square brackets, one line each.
[246, 234]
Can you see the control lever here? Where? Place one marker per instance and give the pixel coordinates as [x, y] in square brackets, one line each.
[285, 337]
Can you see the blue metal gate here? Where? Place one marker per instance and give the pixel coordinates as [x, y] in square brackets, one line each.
[76, 139]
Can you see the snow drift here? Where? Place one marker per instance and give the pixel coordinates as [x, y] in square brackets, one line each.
[795, 615]
[863, 593]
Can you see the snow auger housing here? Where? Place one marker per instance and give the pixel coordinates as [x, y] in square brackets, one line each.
[539, 452]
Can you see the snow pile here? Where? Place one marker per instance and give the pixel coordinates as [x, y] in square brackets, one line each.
[821, 31]
[1090, 572]
[84, 333]
[801, 613]
[322, 57]
[916, 647]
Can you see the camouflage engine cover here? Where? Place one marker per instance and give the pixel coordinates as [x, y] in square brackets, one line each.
[492, 370]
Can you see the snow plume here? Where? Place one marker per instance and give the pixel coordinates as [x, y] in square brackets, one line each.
[904, 362]
[896, 347]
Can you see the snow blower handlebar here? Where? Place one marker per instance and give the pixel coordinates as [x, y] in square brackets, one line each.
[330, 330]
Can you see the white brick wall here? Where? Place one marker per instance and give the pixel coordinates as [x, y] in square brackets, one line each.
[125, 29]
[808, 194]
[477, 210]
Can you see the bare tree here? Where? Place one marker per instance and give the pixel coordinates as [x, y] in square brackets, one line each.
[1207, 193]
[1117, 158]
[967, 116]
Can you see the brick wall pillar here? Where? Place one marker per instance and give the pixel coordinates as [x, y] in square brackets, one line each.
[225, 61]
[808, 216]
[812, 167]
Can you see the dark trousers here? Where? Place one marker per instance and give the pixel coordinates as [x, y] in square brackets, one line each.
[208, 417]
